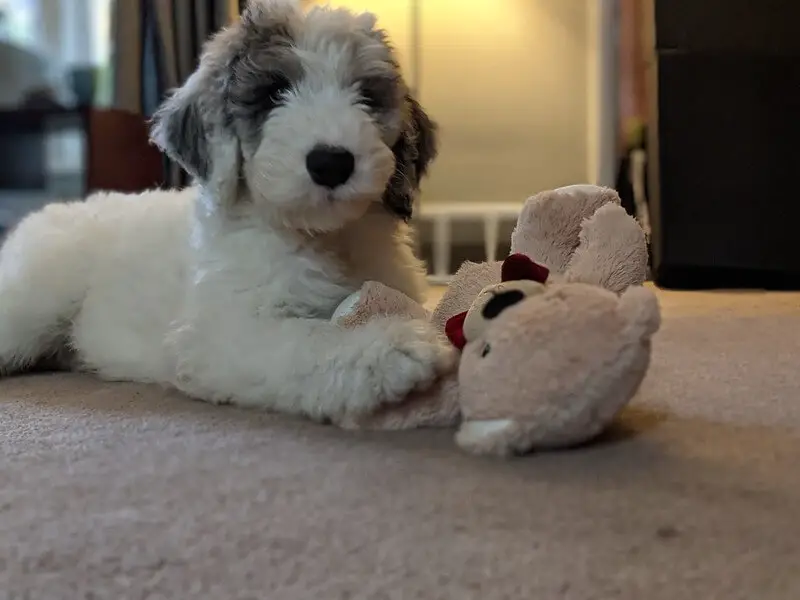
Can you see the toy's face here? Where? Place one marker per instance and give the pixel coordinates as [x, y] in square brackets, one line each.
[546, 347]
[493, 300]
[520, 277]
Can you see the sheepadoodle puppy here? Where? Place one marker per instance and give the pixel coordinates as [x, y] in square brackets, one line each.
[307, 150]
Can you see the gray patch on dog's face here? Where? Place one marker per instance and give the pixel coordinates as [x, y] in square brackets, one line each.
[301, 69]
[262, 72]
[239, 69]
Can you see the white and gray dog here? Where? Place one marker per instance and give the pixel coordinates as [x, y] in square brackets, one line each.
[307, 150]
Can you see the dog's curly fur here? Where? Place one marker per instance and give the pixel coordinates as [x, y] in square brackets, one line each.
[225, 290]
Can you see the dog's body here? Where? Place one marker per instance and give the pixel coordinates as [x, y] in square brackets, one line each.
[225, 290]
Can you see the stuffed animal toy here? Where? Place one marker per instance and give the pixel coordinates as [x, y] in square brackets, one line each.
[554, 341]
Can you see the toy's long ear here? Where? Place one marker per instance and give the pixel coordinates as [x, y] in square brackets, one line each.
[413, 153]
[612, 251]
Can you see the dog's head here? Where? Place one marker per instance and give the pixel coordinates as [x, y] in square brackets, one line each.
[305, 117]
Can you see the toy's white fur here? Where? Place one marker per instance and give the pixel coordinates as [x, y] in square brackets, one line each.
[225, 290]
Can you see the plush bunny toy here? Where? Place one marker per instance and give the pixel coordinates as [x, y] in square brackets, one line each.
[554, 341]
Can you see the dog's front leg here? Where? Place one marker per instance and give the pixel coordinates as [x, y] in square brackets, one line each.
[306, 366]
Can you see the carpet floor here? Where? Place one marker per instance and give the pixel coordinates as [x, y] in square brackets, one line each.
[129, 492]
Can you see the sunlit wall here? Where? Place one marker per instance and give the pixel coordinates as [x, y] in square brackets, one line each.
[507, 81]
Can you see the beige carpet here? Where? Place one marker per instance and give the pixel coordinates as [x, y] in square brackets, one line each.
[127, 492]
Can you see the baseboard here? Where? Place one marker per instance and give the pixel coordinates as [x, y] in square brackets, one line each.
[715, 278]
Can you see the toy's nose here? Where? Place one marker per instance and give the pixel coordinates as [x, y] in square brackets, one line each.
[330, 166]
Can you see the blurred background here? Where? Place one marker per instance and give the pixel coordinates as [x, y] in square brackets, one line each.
[515, 85]
[529, 95]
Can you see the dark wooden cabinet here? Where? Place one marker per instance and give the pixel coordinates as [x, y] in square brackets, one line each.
[724, 143]
[113, 154]
[117, 153]
[120, 155]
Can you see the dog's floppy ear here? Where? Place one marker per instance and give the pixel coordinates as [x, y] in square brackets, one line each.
[181, 130]
[193, 129]
[413, 152]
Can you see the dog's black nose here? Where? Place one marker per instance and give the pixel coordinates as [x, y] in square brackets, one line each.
[329, 166]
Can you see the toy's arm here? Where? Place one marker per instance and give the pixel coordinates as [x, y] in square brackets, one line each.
[375, 299]
[434, 407]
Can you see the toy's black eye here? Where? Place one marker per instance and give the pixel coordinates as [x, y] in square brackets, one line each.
[500, 302]
[485, 350]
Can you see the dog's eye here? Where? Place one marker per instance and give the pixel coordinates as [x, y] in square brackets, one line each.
[376, 92]
[370, 99]
[272, 92]
[279, 86]
[485, 350]
[253, 95]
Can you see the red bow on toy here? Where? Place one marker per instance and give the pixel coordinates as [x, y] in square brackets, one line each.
[516, 267]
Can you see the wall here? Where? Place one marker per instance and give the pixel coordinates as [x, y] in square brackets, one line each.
[507, 82]
[393, 15]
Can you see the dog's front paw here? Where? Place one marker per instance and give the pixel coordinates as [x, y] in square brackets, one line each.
[407, 356]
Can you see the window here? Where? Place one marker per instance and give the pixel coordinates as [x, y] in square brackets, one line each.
[16, 22]
[66, 34]
[53, 51]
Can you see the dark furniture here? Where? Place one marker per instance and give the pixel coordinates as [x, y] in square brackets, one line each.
[117, 152]
[724, 142]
